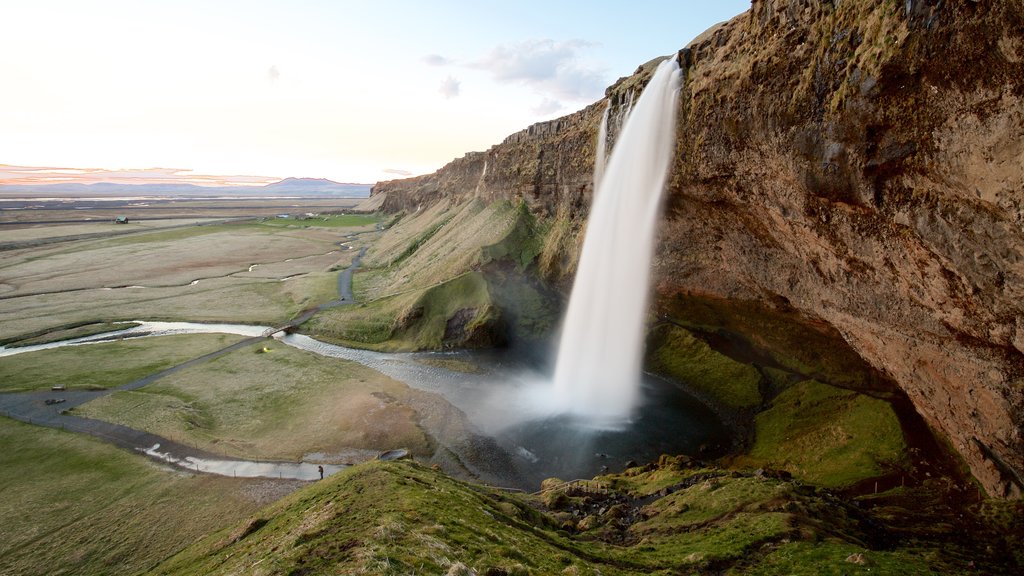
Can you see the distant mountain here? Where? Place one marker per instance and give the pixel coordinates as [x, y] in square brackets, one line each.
[319, 185]
[286, 187]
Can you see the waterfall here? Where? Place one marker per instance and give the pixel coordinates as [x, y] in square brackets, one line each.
[600, 157]
[597, 374]
[480, 182]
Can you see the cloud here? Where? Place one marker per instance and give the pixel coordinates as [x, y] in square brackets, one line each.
[449, 88]
[273, 74]
[436, 60]
[547, 106]
[552, 68]
[56, 175]
[396, 172]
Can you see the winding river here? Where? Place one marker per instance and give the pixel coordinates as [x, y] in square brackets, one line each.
[501, 401]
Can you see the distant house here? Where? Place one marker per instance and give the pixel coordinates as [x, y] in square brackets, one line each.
[121, 220]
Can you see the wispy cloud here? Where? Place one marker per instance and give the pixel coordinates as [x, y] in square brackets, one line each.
[547, 106]
[449, 88]
[436, 60]
[29, 175]
[273, 74]
[553, 69]
[396, 172]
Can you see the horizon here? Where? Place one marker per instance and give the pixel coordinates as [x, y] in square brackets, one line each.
[261, 92]
[99, 177]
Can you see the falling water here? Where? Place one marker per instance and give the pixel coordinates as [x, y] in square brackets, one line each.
[597, 375]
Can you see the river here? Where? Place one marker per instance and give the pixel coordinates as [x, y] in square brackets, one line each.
[504, 400]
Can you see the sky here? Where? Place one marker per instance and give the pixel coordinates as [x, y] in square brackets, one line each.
[248, 92]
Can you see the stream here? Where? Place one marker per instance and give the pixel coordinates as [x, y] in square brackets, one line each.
[506, 401]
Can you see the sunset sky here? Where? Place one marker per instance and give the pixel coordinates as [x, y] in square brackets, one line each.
[354, 91]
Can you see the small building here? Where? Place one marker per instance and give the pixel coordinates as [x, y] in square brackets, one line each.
[121, 220]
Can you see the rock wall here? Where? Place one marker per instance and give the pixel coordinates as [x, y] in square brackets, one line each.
[858, 164]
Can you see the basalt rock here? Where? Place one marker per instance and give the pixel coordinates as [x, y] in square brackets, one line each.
[857, 165]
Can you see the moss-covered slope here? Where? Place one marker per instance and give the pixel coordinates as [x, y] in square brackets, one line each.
[676, 516]
[451, 275]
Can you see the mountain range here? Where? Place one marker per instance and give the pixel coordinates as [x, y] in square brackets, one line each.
[286, 187]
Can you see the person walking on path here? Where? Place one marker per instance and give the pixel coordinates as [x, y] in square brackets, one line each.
[321, 468]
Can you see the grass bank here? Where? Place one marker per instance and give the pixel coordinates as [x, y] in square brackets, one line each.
[459, 312]
[273, 401]
[106, 364]
[673, 517]
[74, 505]
[355, 221]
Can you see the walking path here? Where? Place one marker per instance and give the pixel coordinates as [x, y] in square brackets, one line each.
[345, 298]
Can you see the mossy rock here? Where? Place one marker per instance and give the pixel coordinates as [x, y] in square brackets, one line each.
[676, 353]
[827, 435]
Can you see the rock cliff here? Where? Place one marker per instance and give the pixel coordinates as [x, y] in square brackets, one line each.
[854, 166]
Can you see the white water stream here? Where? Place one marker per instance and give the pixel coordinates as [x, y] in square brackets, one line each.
[597, 375]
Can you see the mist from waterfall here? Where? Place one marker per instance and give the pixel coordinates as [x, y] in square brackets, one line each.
[597, 375]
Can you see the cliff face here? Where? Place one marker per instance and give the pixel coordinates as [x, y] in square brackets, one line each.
[857, 165]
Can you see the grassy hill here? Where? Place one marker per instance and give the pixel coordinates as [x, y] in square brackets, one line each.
[676, 516]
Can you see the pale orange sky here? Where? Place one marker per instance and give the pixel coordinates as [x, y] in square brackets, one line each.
[52, 175]
[353, 91]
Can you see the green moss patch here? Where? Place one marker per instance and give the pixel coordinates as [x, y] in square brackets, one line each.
[750, 332]
[675, 352]
[401, 518]
[836, 557]
[459, 312]
[521, 245]
[827, 435]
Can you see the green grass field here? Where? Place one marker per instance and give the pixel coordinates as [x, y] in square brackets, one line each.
[198, 273]
[104, 365]
[73, 505]
[279, 404]
[359, 221]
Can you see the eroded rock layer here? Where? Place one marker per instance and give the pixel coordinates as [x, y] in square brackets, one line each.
[855, 164]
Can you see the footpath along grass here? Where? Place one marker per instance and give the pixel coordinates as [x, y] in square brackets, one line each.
[107, 364]
[74, 505]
